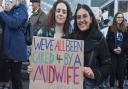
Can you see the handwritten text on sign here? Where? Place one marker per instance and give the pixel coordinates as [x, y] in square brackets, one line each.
[56, 63]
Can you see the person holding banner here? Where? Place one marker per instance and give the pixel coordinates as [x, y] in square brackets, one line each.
[13, 15]
[97, 61]
[57, 23]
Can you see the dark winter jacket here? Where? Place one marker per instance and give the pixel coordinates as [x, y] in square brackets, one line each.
[96, 54]
[14, 41]
[95, 48]
[1, 38]
[112, 44]
[36, 21]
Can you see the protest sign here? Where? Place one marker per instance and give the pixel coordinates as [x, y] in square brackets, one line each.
[57, 63]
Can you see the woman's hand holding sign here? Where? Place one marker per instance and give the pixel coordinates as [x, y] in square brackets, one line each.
[88, 73]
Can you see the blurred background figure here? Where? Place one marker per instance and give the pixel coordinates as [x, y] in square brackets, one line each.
[14, 15]
[37, 18]
[2, 63]
[106, 26]
[117, 39]
[104, 31]
[100, 22]
[1, 31]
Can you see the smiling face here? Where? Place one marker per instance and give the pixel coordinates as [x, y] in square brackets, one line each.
[119, 18]
[83, 19]
[60, 14]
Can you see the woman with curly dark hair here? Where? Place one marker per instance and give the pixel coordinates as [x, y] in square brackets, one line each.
[58, 21]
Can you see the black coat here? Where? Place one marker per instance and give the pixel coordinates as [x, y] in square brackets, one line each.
[96, 54]
[112, 45]
[1, 38]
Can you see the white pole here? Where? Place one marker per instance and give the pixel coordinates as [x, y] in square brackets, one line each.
[115, 6]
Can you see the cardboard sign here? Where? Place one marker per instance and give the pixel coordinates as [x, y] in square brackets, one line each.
[57, 63]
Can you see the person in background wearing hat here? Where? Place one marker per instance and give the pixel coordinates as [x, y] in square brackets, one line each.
[36, 20]
[14, 15]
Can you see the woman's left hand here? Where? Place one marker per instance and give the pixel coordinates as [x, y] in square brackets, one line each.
[117, 50]
[88, 73]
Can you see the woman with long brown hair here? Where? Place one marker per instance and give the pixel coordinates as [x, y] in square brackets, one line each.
[57, 23]
[117, 41]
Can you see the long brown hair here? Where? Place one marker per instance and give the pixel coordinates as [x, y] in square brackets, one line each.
[122, 26]
[50, 20]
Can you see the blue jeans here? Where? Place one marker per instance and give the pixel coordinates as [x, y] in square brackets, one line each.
[88, 84]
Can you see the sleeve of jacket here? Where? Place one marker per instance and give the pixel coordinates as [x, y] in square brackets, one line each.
[125, 43]
[110, 40]
[16, 19]
[104, 62]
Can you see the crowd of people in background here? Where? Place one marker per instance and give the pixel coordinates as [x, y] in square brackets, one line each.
[105, 43]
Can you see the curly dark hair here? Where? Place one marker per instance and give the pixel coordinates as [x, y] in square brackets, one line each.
[50, 20]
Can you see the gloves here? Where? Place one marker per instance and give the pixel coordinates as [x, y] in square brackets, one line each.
[1, 9]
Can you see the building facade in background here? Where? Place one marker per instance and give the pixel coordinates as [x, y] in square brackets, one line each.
[99, 7]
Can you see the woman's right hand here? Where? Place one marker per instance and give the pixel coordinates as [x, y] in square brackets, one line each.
[88, 73]
[117, 50]
[29, 69]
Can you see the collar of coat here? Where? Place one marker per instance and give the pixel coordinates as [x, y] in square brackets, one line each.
[36, 12]
[92, 40]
